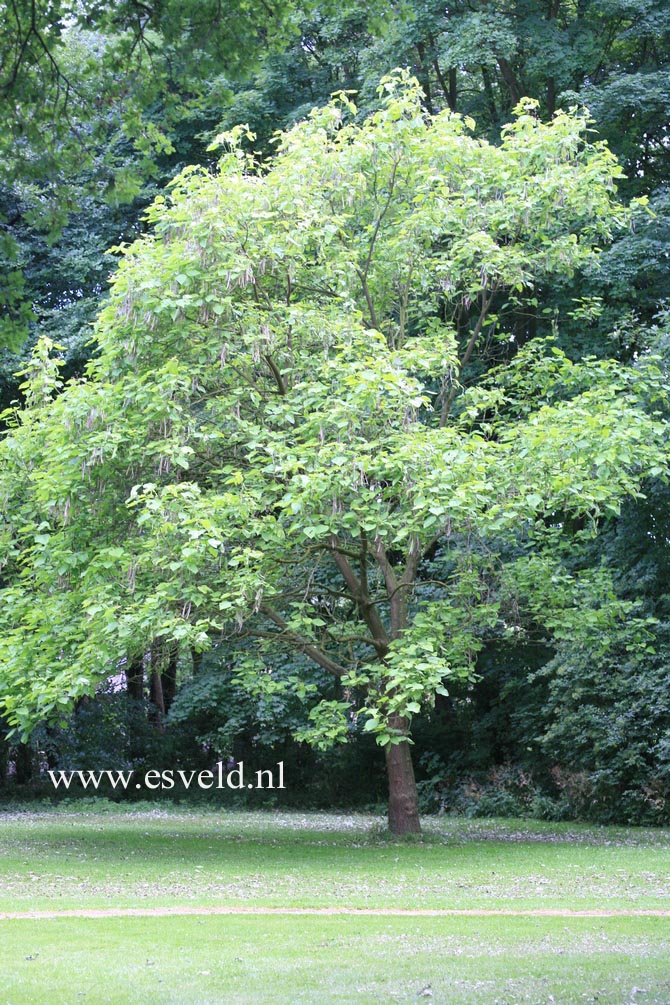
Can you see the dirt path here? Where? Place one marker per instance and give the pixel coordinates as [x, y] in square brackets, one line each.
[379, 912]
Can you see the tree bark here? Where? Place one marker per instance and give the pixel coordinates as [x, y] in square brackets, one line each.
[403, 796]
[403, 813]
[156, 690]
[424, 77]
[169, 679]
[552, 14]
[490, 98]
[135, 679]
[510, 79]
[449, 90]
[23, 761]
[4, 759]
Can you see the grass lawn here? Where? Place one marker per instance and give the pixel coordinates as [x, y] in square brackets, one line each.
[99, 856]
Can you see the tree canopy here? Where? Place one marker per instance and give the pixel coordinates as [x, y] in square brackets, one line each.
[286, 442]
[99, 102]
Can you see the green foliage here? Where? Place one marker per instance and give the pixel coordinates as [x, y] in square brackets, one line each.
[479, 59]
[103, 101]
[102, 106]
[97, 99]
[267, 447]
[604, 726]
[16, 313]
[109, 732]
[65, 65]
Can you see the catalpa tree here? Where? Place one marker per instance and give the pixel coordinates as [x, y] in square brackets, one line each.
[273, 444]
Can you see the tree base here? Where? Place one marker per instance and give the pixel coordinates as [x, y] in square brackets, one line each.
[403, 815]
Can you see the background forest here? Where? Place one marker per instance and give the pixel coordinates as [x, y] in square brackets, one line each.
[561, 704]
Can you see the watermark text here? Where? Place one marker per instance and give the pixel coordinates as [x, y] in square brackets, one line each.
[221, 777]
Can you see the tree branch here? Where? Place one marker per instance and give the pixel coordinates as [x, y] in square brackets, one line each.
[363, 273]
[367, 607]
[309, 649]
[281, 383]
[449, 91]
[449, 400]
[510, 78]
[412, 563]
[385, 566]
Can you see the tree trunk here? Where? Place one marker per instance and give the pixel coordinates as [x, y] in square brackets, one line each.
[196, 657]
[403, 796]
[510, 78]
[169, 679]
[156, 696]
[551, 96]
[403, 815]
[4, 759]
[23, 761]
[490, 97]
[135, 678]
